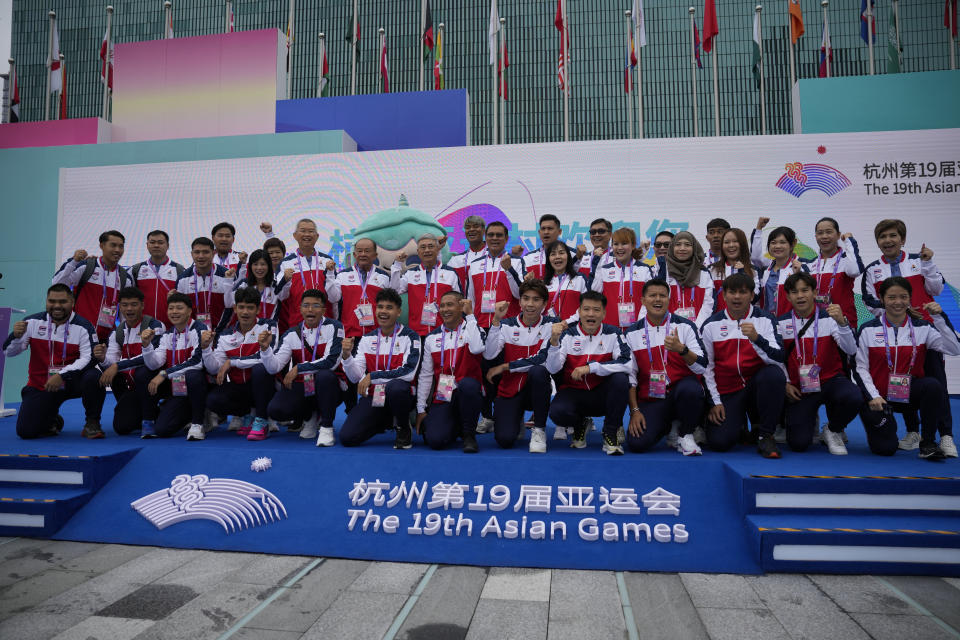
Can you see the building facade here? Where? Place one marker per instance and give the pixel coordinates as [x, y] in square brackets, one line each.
[534, 112]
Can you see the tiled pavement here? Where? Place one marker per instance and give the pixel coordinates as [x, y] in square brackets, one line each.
[72, 590]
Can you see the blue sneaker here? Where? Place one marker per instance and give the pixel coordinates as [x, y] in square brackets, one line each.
[146, 430]
[259, 429]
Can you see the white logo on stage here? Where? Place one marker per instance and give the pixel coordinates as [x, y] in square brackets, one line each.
[234, 504]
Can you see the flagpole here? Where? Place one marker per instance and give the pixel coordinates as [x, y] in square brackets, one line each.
[566, 74]
[380, 31]
[494, 129]
[628, 71]
[870, 33]
[167, 18]
[63, 78]
[353, 56]
[763, 100]
[106, 63]
[46, 102]
[693, 75]
[423, 27]
[290, 26]
[953, 45]
[323, 53]
[11, 82]
[716, 91]
[793, 71]
[639, 85]
[436, 44]
[826, 30]
[503, 83]
[896, 19]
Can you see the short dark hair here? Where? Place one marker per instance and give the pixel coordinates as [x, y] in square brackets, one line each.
[657, 282]
[255, 257]
[391, 296]
[549, 217]
[596, 296]
[130, 292]
[738, 282]
[204, 242]
[314, 293]
[796, 278]
[604, 222]
[894, 281]
[60, 288]
[223, 225]
[247, 295]
[113, 232]
[833, 223]
[497, 223]
[270, 243]
[788, 234]
[536, 286]
[718, 222]
[177, 296]
[451, 292]
[159, 232]
[669, 234]
[890, 223]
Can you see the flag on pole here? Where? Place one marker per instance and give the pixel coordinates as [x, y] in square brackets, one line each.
[796, 21]
[289, 40]
[757, 61]
[710, 28]
[230, 22]
[353, 38]
[438, 62]
[169, 34]
[863, 21]
[15, 98]
[56, 76]
[696, 45]
[894, 48]
[639, 23]
[630, 61]
[493, 31]
[826, 52]
[428, 33]
[324, 75]
[950, 16]
[564, 54]
[63, 90]
[106, 62]
[384, 69]
[502, 70]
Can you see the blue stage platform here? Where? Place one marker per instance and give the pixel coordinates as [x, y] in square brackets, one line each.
[733, 512]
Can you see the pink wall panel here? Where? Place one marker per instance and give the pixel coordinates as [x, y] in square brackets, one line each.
[51, 133]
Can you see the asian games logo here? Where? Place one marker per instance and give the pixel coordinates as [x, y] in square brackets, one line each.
[801, 177]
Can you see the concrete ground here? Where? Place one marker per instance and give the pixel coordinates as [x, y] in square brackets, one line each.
[73, 590]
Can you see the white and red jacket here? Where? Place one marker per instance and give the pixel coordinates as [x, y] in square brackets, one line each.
[719, 302]
[621, 284]
[924, 277]
[461, 264]
[352, 288]
[208, 292]
[308, 350]
[125, 348]
[101, 288]
[522, 346]
[455, 353]
[178, 352]
[699, 298]
[779, 305]
[486, 273]
[563, 299]
[385, 358]
[269, 299]
[155, 281]
[422, 287]
[732, 358]
[241, 349]
[67, 348]
[873, 370]
[835, 275]
[645, 341]
[604, 352]
[309, 272]
[231, 261]
[830, 339]
[588, 264]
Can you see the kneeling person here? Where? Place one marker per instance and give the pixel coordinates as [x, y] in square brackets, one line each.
[451, 375]
[668, 357]
[383, 370]
[594, 361]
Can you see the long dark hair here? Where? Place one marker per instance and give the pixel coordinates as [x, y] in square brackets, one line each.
[718, 268]
[255, 257]
[548, 270]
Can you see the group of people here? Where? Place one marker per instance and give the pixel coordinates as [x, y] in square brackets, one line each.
[690, 348]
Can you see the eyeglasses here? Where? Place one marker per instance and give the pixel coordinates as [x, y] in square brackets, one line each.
[598, 232]
[661, 245]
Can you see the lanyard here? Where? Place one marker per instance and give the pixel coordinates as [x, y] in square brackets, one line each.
[623, 271]
[681, 289]
[913, 345]
[376, 360]
[496, 278]
[662, 349]
[364, 279]
[303, 343]
[313, 273]
[836, 266]
[66, 336]
[126, 340]
[801, 356]
[223, 262]
[456, 344]
[156, 273]
[196, 291]
[176, 339]
[116, 283]
[555, 301]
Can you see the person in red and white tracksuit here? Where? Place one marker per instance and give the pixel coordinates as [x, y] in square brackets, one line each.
[735, 258]
[157, 275]
[744, 371]
[835, 268]
[260, 278]
[474, 229]
[233, 262]
[520, 342]
[599, 253]
[207, 285]
[424, 284]
[593, 361]
[449, 387]
[781, 244]
[890, 370]
[356, 289]
[564, 283]
[493, 277]
[691, 287]
[304, 269]
[668, 360]
[814, 341]
[621, 280]
[534, 263]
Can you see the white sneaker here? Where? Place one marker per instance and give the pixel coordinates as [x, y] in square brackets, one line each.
[484, 425]
[687, 445]
[700, 436]
[910, 442]
[948, 447]
[273, 425]
[211, 421]
[235, 423]
[577, 444]
[610, 448]
[196, 432]
[326, 437]
[538, 440]
[674, 434]
[834, 442]
[560, 433]
[780, 435]
[309, 429]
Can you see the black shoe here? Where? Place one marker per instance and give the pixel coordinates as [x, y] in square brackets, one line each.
[404, 439]
[470, 442]
[92, 430]
[56, 427]
[767, 447]
[931, 452]
[580, 431]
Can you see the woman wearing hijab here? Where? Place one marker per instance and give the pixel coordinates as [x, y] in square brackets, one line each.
[691, 287]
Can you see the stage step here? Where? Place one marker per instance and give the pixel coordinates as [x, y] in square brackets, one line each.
[38, 510]
[879, 495]
[843, 543]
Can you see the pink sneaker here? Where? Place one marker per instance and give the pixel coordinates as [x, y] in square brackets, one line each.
[259, 430]
[245, 423]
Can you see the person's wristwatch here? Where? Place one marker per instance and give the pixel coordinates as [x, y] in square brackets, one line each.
[635, 410]
[685, 350]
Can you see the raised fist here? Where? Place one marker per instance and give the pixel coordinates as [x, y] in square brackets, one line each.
[266, 227]
[79, 255]
[264, 339]
[146, 336]
[505, 261]
[206, 339]
[347, 346]
[466, 306]
[835, 312]
[99, 352]
[762, 222]
[19, 328]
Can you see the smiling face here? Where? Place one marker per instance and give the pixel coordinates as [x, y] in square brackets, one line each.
[246, 313]
[450, 311]
[731, 247]
[591, 315]
[802, 299]
[428, 249]
[112, 249]
[656, 300]
[59, 305]
[202, 257]
[261, 270]
[179, 313]
[891, 243]
[559, 257]
[473, 232]
[896, 301]
[312, 310]
[387, 314]
[738, 300]
[306, 235]
[682, 249]
[496, 238]
[622, 251]
[599, 235]
[827, 237]
[276, 256]
[132, 310]
[531, 305]
[661, 244]
[223, 240]
[364, 253]
[779, 248]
